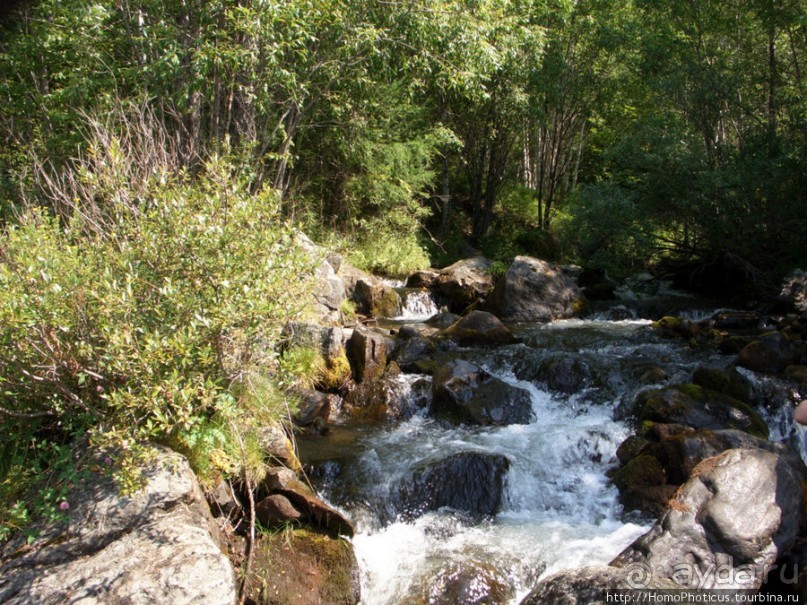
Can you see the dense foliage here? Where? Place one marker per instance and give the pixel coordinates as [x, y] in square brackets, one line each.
[156, 155]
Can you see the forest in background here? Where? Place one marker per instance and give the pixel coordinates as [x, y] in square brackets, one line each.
[157, 157]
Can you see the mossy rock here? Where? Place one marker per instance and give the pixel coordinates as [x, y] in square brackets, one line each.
[728, 382]
[335, 374]
[694, 406]
[640, 471]
[631, 448]
[677, 327]
[300, 566]
[642, 484]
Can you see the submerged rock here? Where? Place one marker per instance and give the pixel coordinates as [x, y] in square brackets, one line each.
[160, 545]
[471, 482]
[534, 290]
[462, 583]
[563, 373]
[466, 392]
[479, 328]
[726, 526]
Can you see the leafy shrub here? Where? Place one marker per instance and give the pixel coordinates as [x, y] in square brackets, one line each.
[131, 319]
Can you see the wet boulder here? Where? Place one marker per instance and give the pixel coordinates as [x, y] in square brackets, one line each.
[770, 353]
[465, 282]
[443, 320]
[158, 545]
[478, 328]
[563, 373]
[642, 484]
[302, 566]
[467, 583]
[729, 382]
[699, 408]
[655, 464]
[726, 525]
[411, 353]
[465, 392]
[471, 482]
[534, 290]
[367, 352]
[677, 327]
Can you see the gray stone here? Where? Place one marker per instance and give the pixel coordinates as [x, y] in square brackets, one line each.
[160, 545]
[726, 526]
[534, 290]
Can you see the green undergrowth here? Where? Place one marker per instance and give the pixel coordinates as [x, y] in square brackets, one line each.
[133, 320]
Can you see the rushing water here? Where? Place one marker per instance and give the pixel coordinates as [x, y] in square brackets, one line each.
[417, 304]
[560, 510]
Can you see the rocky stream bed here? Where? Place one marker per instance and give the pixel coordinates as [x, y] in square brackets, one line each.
[481, 440]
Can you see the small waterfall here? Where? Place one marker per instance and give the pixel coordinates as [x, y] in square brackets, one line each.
[418, 305]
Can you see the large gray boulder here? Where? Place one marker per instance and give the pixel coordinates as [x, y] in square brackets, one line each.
[465, 392]
[534, 290]
[726, 526]
[160, 545]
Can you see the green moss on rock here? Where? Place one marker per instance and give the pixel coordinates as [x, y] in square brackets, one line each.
[302, 566]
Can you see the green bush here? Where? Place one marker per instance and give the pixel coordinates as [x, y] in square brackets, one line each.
[130, 321]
